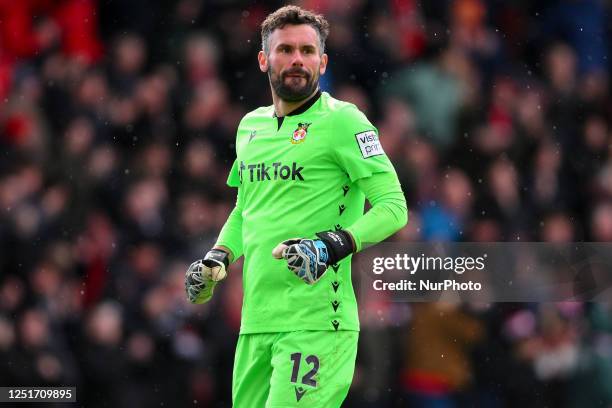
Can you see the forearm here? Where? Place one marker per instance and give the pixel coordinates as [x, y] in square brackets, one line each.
[230, 237]
[388, 213]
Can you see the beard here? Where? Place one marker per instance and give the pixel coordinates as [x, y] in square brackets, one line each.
[293, 89]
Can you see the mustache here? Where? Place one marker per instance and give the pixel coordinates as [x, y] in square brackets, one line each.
[296, 71]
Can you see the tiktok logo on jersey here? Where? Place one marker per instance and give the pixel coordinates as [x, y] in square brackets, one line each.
[275, 171]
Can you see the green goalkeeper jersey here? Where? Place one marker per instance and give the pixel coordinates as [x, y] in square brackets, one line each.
[297, 177]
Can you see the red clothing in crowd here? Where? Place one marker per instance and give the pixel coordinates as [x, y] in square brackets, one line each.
[76, 21]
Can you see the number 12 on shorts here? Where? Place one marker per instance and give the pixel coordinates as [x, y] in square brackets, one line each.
[308, 378]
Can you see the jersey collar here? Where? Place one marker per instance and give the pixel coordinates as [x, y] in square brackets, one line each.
[303, 107]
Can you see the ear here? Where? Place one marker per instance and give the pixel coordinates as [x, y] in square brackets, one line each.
[263, 61]
[323, 65]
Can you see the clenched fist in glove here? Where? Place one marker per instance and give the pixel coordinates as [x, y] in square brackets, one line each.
[202, 275]
[309, 258]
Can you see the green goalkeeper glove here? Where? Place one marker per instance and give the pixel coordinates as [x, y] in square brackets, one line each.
[202, 275]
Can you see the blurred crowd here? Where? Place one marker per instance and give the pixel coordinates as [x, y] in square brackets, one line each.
[117, 124]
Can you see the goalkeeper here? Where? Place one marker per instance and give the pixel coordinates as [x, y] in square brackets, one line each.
[304, 167]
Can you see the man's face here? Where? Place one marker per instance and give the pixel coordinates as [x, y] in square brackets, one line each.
[294, 63]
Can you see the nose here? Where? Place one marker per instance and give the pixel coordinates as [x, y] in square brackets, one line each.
[297, 60]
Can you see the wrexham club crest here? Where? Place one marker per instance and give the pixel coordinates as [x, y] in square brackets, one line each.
[299, 134]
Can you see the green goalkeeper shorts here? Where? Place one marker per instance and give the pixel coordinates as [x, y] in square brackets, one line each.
[293, 369]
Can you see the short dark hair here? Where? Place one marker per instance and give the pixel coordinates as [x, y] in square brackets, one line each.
[293, 15]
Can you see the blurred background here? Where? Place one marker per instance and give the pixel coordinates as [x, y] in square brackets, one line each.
[117, 123]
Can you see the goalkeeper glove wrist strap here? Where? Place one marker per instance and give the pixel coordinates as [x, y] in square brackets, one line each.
[218, 255]
[339, 245]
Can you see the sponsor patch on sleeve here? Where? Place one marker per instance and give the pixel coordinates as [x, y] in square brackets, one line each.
[369, 144]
